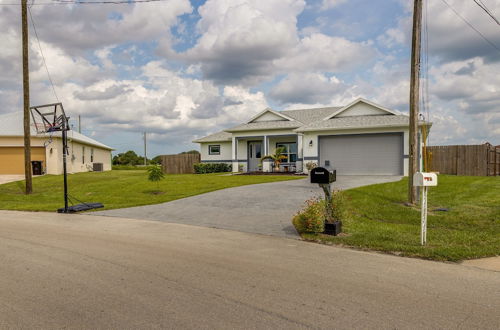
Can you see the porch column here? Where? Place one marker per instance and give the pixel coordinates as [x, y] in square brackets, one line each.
[234, 145]
[266, 163]
[300, 153]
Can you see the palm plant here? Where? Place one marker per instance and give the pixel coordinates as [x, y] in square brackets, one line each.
[277, 157]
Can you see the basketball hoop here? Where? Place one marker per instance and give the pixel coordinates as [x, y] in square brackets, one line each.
[49, 118]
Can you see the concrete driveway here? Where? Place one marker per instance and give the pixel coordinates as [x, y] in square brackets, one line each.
[6, 178]
[261, 208]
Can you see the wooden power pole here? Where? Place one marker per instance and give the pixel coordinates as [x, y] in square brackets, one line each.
[26, 100]
[414, 99]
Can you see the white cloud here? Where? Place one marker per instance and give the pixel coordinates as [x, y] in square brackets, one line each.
[309, 88]
[240, 38]
[248, 41]
[78, 28]
[319, 52]
[329, 4]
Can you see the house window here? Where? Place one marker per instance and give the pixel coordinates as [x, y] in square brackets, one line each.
[92, 155]
[214, 149]
[83, 155]
[290, 151]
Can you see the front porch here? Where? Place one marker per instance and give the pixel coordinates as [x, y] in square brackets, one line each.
[247, 152]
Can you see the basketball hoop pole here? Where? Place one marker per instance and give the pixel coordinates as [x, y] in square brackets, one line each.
[65, 150]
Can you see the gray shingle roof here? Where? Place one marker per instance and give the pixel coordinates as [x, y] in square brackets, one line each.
[216, 137]
[263, 125]
[357, 122]
[11, 124]
[307, 116]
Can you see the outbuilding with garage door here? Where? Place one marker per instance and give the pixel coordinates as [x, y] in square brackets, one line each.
[85, 154]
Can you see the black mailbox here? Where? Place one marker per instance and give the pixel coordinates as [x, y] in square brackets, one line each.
[323, 176]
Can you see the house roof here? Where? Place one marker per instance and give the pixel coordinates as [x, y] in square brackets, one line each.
[267, 125]
[359, 100]
[221, 136]
[318, 119]
[307, 116]
[11, 124]
[357, 122]
[280, 114]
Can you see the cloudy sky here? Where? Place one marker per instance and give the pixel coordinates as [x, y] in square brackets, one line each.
[181, 69]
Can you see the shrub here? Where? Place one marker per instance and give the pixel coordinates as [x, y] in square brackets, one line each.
[130, 167]
[339, 201]
[311, 165]
[202, 168]
[311, 219]
[155, 174]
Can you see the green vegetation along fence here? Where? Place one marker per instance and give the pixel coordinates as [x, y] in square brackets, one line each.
[475, 160]
[179, 164]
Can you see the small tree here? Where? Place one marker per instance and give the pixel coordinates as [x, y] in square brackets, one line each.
[155, 174]
[277, 157]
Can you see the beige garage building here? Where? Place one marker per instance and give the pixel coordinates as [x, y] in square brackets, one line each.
[85, 154]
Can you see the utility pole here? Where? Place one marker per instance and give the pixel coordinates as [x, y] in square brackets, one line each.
[145, 153]
[79, 124]
[414, 99]
[26, 100]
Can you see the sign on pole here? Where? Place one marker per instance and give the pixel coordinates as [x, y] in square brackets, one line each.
[424, 180]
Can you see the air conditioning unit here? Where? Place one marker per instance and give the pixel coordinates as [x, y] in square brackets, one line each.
[97, 167]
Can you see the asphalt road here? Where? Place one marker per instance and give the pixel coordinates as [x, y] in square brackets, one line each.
[265, 208]
[79, 271]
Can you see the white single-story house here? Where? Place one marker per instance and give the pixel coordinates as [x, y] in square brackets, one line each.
[85, 154]
[361, 138]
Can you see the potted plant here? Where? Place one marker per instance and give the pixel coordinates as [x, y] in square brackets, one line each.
[276, 158]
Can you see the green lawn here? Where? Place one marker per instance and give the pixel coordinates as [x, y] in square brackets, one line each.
[379, 220]
[117, 189]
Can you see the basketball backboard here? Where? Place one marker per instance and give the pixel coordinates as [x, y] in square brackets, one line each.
[49, 118]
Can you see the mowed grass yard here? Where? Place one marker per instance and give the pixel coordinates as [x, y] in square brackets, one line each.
[379, 220]
[118, 189]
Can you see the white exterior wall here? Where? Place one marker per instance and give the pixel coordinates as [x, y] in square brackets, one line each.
[311, 152]
[54, 155]
[225, 152]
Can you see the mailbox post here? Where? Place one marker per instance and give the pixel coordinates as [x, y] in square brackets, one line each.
[324, 178]
[424, 180]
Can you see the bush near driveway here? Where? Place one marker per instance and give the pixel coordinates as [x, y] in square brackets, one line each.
[379, 220]
[117, 189]
[312, 218]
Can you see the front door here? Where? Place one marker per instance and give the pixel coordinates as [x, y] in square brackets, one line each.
[254, 156]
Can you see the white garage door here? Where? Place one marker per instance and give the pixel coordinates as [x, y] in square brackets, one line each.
[369, 154]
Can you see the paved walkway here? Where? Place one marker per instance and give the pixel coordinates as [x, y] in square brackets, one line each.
[61, 271]
[6, 178]
[262, 208]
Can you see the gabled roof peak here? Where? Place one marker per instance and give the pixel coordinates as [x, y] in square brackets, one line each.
[382, 110]
[269, 110]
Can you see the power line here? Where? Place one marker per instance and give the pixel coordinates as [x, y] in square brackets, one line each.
[472, 27]
[75, 2]
[483, 7]
[41, 52]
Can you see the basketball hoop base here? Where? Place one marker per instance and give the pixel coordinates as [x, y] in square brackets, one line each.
[81, 207]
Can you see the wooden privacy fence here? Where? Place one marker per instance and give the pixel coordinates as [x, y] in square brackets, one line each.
[477, 160]
[179, 164]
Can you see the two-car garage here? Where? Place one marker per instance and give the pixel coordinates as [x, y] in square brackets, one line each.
[363, 154]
